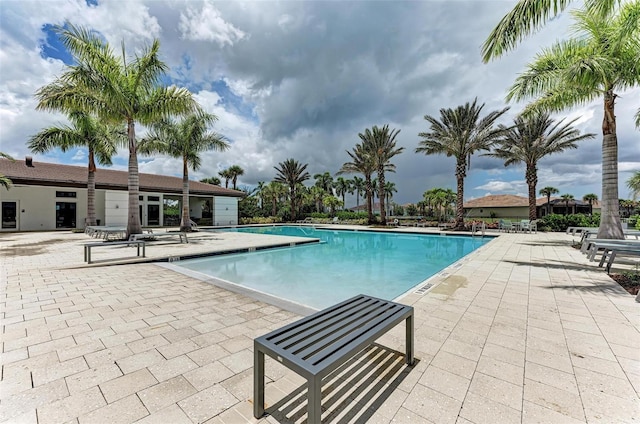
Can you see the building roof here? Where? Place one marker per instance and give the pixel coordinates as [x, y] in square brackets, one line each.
[513, 201]
[52, 174]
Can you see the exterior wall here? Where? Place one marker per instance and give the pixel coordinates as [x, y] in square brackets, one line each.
[37, 206]
[506, 212]
[225, 210]
[116, 206]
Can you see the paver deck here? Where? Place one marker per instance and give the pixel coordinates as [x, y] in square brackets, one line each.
[524, 330]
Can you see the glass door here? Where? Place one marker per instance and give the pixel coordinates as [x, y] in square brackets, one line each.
[65, 215]
[153, 214]
[10, 215]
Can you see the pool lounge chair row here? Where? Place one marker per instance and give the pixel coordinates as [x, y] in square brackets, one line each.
[610, 250]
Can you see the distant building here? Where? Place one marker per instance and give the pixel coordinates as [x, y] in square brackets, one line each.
[511, 206]
[47, 196]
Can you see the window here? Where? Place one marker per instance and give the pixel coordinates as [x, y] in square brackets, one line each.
[9, 215]
[65, 194]
[153, 198]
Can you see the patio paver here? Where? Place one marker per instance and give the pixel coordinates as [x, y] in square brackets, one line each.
[523, 330]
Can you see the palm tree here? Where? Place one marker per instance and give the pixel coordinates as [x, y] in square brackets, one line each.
[211, 180]
[85, 131]
[549, 191]
[460, 133]
[226, 174]
[324, 181]
[235, 171]
[274, 191]
[381, 145]
[361, 162]
[389, 189]
[532, 138]
[342, 186]
[634, 184]
[567, 198]
[185, 140]
[292, 173]
[117, 91]
[591, 197]
[358, 186]
[601, 59]
[4, 181]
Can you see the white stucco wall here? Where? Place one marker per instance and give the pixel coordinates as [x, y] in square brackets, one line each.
[513, 212]
[116, 206]
[37, 206]
[225, 211]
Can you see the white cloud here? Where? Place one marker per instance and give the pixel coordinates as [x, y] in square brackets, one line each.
[502, 186]
[207, 24]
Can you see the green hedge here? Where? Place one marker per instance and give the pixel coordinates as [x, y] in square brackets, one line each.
[556, 222]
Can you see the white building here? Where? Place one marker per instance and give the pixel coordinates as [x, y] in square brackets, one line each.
[46, 196]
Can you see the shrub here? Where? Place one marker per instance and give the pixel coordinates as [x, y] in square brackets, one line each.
[347, 215]
[556, 222]
[318, 215]
[260, 220]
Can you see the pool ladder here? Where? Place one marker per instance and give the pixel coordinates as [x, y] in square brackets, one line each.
[478, 227]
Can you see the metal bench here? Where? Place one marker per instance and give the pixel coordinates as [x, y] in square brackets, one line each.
[88, 246]
[610, 253]
[316, 345]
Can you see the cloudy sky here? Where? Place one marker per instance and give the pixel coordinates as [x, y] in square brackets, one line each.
[301, 80]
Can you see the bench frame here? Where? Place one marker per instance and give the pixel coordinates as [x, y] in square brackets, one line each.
[88, 246]
[315, 346]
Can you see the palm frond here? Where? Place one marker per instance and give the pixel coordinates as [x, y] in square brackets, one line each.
[524, 19]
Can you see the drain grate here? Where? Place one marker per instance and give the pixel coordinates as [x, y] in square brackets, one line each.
[422, 290]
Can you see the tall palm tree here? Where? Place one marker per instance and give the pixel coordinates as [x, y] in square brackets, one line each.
[567, 198]
[273, 192]
[381, 145]
[358, 186]
[226, 174]
[235, 171]
[291, 173]
[324, 181]
[211, 180]
[532, 138]
[317, 194]
[100, 140]
[117, 90]
[591, 197]
[600, 60]
[460, 133]
[342, 186]
[634, 184]
[549, 191]
[185, 140]
[389, 189]
[4, 181]
[361, 162]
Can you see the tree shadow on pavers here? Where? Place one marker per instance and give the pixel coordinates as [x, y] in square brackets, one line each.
[549, 243]
[353, 392]
[556, 265]
[613, 288]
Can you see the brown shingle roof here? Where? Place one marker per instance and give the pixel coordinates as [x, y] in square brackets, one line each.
[511, 201]
[42, 173]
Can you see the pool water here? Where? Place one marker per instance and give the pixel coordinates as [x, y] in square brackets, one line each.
[344, 264]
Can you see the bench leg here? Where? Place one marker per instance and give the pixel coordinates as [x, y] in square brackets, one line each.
[409, 342]
[314, 400]
[258, 383]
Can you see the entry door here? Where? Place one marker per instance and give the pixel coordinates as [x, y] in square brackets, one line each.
[10, 215]
[153, 214]
[65, 215]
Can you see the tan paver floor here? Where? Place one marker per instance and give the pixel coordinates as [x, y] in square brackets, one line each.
[524, 330]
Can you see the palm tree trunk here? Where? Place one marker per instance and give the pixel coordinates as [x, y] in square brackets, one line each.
[532, 180]
[549, 204]
[91, 190]
[381, 196]
[357, 199]
[185, 223]
[369, 202]
[293, 204]
[133, 222]
[459, 224]
[610, 224]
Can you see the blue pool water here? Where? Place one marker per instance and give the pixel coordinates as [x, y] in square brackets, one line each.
[345, 264]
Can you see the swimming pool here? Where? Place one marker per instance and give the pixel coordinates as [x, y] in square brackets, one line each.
[344, 264]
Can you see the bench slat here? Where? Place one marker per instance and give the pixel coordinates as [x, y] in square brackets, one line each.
[308, 330]
[348, 340]
[338, 331]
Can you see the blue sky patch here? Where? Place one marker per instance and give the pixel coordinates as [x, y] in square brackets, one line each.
[52, 47]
